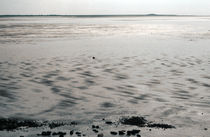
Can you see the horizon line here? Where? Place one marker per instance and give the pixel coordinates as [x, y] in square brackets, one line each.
[93, 15]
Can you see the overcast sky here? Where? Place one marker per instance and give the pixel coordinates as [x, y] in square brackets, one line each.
[196, 7]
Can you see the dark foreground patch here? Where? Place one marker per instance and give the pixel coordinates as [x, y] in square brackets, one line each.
[15, 123]
[142, 122]
[12, 124]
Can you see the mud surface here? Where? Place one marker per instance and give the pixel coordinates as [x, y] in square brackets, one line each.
[91, 75]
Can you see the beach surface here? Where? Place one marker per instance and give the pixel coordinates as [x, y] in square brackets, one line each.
[87, 74]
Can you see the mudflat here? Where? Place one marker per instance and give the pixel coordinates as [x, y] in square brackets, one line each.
[113, 76]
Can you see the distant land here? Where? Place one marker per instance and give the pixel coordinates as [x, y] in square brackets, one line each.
[116, 15]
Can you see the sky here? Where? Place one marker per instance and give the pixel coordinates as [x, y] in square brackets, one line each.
[89, 7]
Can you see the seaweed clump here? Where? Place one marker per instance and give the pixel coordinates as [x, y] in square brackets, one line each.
[142, 122]
[134, 120]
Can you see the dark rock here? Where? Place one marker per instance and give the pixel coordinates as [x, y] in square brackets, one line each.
[78, 133]
[101, 135]
[205, 128]
[46, 133]
[71, 132]
[93, 57]
[109, 122]
[137, 121]
[164, 126]
[21, 136]
[121, 132]
[138, 135]
[93, 126]
[94, 130]
[113, 133]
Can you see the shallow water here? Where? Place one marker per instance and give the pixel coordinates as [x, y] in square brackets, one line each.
[157, 67]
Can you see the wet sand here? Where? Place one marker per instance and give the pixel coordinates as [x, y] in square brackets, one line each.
[157, 68]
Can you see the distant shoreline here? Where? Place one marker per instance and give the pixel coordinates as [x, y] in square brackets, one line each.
[120, 15]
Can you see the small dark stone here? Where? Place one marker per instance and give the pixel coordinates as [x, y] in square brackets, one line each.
[84, 134]
[94, 130]
[113, 133]
[150, 129]
[61, 135]
[138, 135]
[93, 57]
[71, 132]
[21, 136]
[205, 128]
[121, 132]
[93, 126]
[109, 122]
[78, 133]
[101, 135]
[46, 133]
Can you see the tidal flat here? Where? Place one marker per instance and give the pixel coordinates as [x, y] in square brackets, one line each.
[105, 76]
